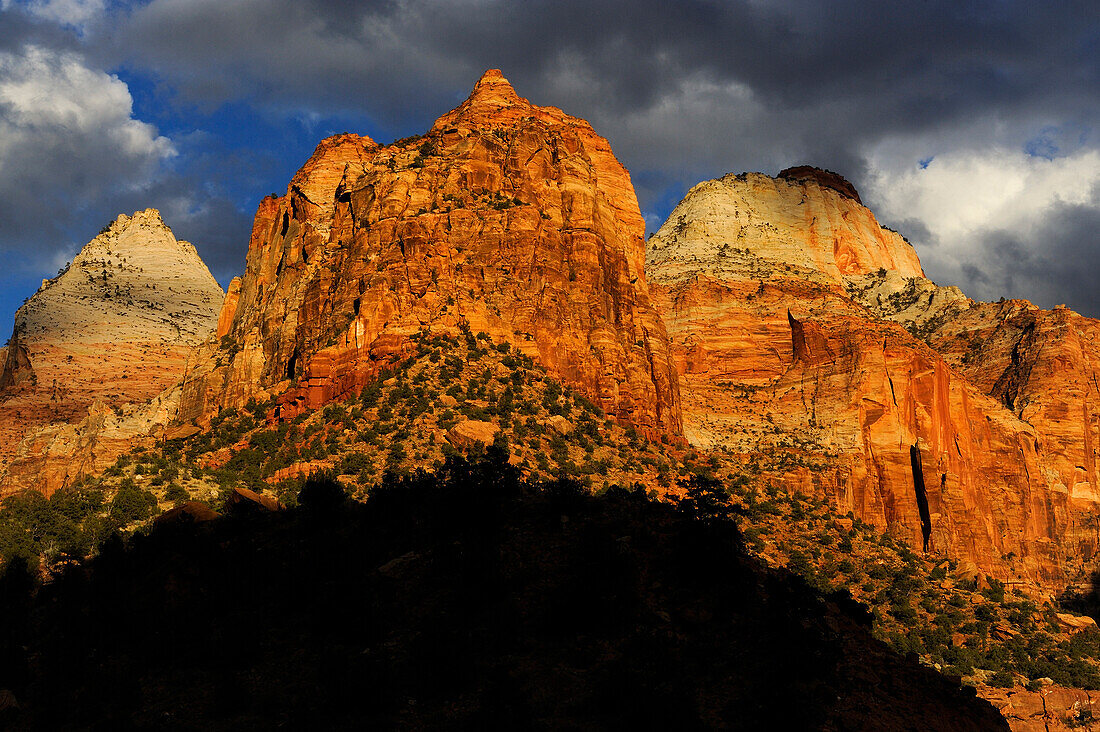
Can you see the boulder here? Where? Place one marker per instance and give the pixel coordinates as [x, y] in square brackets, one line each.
[560, 424]
[471, 432]
[186, 514]
[1075, 623]
[243, 500]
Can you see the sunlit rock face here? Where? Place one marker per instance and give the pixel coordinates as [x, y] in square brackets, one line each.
[806, 336]
[506, 217]
[109, 333]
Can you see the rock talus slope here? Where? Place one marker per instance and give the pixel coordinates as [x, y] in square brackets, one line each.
[506, 217]
[794, 317]
[109, 333]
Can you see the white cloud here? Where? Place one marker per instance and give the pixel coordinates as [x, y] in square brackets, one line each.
[49, 94]
[68, 141]
[958, 205]
[74, 13]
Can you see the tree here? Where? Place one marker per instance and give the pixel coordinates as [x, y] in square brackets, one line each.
[322, 493]
[132, 504]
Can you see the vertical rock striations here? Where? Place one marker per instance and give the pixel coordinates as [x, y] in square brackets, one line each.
[794, 321]
[506, 217]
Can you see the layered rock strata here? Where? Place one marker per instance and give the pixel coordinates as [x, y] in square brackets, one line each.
[109, 333]
[794, 321]
[505, 218]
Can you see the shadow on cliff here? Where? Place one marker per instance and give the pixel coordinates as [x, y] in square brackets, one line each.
[467, 600]
[1083, 600]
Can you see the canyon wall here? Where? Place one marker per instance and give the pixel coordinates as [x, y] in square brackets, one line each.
[806, 336]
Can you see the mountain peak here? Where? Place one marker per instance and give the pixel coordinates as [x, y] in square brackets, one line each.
[493, 85]
[115, 326]
[491, 94]
[781, 220]
[149, 217]
[137, 231]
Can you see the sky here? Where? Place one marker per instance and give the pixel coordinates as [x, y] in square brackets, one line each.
[970, 127]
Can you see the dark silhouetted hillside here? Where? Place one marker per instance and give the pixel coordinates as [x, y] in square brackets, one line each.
[464, 600]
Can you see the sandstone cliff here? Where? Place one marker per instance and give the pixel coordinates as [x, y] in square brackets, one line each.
[778, 296]
[506, 217]
[108, 334]
[1041, 365]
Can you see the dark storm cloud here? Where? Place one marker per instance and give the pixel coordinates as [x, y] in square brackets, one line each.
[19, 28]
[219, 230]
[1055, 263]
[894, 66]
[684, 91]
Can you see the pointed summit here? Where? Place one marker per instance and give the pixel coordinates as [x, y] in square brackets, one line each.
[492, 87]
[491, 100]
[114, 327]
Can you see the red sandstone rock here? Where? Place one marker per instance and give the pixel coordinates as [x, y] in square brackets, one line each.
[301, 470]
[229, 307]
[507, 218]
[243, 499]
[471, 432]
[778, 326]
[1075, 623]
[1050, 709]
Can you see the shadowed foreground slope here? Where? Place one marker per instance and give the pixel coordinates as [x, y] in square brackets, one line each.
[470, 600]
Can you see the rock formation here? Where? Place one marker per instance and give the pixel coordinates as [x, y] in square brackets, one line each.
[109, 333]
[506, 217]
[1041, 365]
[826, 178]
[793, 318]
[1050, 709]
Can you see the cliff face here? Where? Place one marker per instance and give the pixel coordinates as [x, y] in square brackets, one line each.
[1042, 365]
[113, 330]
[779, 295]
[506, 217]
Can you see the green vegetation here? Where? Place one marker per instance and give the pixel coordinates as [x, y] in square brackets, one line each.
[71, 523]
[920, 605]
[398, 426]
[395, 426]
[467, 599]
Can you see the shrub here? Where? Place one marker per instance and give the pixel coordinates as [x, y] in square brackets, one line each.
[370, 395]
[177, 493]
[132, 504]
[354, 463]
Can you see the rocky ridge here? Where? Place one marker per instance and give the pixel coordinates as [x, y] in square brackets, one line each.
[507, 218]
[804, 335]
[96, 346]
[794, 320]
[1041, 365]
